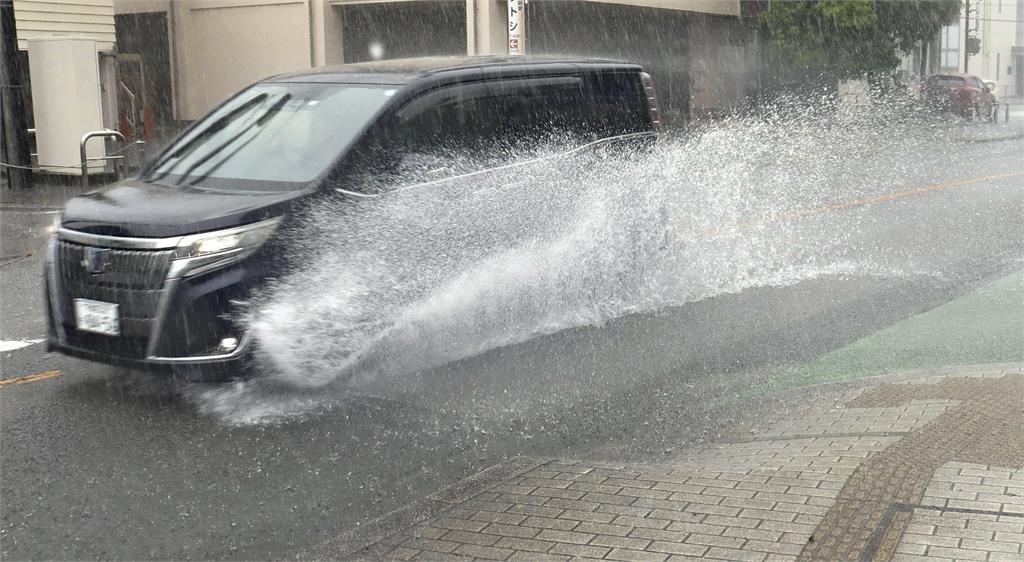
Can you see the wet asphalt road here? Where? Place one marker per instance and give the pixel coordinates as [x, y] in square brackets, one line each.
[97, 463]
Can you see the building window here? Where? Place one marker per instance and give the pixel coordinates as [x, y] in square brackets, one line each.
[950, 46]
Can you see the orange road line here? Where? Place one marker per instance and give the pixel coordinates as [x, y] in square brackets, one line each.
[878, 199]
[30, 378]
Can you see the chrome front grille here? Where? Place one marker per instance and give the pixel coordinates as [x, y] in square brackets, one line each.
[133, 279]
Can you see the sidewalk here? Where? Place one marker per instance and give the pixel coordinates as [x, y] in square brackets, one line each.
[45, 194]
[922, 465]
[1009, 125]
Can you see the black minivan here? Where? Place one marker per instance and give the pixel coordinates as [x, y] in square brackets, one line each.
[143, 273]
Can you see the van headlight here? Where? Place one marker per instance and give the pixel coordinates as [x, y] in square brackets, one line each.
[55, 225]
[199, 253]
[51, 245]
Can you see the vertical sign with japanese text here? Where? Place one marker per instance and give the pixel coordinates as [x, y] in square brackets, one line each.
[516, 23]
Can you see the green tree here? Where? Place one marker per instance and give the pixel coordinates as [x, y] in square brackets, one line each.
[845, 38]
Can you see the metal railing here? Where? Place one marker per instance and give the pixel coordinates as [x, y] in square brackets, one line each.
[123, 160]
[85, 160]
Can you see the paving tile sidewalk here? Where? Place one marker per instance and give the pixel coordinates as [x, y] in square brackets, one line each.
[930, 468]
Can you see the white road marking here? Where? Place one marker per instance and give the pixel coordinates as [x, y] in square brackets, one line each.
[11, 345]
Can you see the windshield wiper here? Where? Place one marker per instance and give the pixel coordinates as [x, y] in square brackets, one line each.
[206, 133]
[258, 122]
[227, 158]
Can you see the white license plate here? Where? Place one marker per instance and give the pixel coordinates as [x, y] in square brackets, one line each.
[98, 317]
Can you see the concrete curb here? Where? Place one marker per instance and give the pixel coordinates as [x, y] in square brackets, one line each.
[346, 545]
[1007, 137]
[905, 375]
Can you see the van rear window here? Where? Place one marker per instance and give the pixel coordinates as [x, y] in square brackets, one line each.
[946, 81]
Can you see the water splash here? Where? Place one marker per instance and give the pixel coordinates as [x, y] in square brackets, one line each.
[422, 277]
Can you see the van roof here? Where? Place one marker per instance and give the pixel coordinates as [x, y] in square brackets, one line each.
[404, 71]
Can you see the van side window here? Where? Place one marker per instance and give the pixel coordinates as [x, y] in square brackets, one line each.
[520, 114]
[470, 126]
[489, 118]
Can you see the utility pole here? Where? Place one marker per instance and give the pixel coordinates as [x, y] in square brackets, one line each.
[12, 113]
[967, 33]
[923, 70]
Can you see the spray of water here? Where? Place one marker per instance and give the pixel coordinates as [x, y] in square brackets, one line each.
[424, 276]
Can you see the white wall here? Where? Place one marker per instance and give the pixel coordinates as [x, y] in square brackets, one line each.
[717, 7]
[222, 46]
[140, 6]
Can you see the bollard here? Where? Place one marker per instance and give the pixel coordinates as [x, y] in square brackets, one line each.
[1006, 115]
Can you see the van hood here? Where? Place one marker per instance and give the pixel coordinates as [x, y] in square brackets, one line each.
[144, 210]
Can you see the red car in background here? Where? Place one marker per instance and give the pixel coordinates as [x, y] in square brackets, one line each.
[964, 94]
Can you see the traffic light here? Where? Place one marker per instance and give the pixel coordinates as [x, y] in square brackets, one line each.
[973, 45]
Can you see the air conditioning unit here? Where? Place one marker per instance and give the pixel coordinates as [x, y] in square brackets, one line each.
[67, 102]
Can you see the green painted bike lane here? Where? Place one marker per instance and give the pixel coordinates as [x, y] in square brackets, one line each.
[985, 326]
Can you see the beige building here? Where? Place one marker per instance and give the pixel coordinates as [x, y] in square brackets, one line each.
[166, 62]
[999, 26]
[197, 52]
[994, 22]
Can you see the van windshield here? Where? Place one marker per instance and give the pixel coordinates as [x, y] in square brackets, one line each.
[270, 137]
